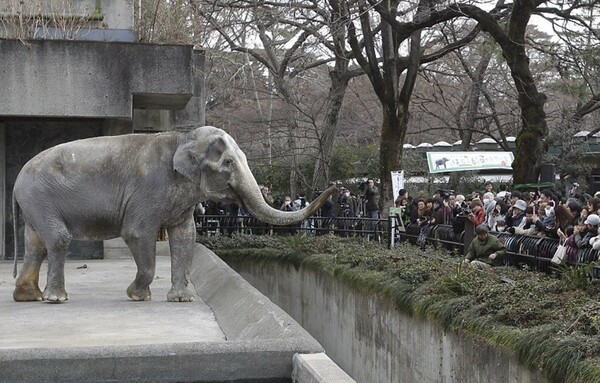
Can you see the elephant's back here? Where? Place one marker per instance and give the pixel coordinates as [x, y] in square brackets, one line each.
[91, 165]
[91, 156]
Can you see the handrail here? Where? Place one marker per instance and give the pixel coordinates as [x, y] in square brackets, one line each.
[534, 251]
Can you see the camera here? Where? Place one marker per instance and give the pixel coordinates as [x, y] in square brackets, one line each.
[464, 210]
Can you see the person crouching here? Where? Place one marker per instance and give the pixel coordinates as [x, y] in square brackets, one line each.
[485, 250]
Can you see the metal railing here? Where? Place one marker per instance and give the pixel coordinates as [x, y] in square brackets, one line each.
[368, 228]
[533, 251]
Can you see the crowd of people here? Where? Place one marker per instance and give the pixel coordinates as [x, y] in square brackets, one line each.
[348, 204]
[572, 219]
[365, 203]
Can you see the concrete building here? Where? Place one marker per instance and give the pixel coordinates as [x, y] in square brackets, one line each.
[97, 82]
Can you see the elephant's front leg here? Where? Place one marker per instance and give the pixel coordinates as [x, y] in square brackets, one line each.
[143, 248]
[181, 243]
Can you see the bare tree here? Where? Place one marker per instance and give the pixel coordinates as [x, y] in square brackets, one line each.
[291, 41]
[378, 50]
[512, 40]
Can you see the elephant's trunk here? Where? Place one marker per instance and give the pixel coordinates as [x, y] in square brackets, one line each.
[250, 195]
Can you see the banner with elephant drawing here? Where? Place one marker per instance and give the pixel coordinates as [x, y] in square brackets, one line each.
[441, 162]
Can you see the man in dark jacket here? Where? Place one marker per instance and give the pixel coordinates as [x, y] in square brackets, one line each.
[485, 250]
[371, 199]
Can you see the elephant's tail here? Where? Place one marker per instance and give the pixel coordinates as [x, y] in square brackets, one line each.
[16, 216]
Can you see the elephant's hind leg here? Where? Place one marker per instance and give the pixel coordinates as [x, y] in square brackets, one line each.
[57, 253]
[27, 285]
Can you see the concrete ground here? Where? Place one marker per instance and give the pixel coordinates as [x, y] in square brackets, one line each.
[230, 333]
[99, 313]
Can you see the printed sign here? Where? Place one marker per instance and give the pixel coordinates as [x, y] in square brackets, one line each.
[397, 183]
[440, 162]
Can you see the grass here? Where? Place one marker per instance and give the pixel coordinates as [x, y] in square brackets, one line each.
[549, 323]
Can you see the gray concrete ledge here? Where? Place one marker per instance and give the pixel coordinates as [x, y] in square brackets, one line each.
[257, 344]
[318, 368]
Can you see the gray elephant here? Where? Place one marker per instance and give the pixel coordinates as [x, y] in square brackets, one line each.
[130, 186]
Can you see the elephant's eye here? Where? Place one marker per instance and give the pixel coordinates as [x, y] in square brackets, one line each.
[228, 161]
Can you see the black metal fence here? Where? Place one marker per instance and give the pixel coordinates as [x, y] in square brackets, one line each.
[534, 251]
[368, 228]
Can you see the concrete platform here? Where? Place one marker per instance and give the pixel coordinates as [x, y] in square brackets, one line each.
[231, 333]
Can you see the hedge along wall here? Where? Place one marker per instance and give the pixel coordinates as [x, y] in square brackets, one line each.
[369, 337]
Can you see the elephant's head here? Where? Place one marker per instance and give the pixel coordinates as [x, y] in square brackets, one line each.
[211, 158]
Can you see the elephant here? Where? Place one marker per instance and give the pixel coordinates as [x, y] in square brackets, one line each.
[130, 186]
[441, 162]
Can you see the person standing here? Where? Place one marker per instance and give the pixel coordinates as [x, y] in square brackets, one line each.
[477, 215]
[402, 195]
[489, 187]
[516, 214]
[346, 204]
[266, 193]
[327, 215]
[288, 205]
[371, 198]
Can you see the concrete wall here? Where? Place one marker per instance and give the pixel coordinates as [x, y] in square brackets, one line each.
[92, 79]
[105, 20]
[148, 120]
[374, 342]
[116, 14]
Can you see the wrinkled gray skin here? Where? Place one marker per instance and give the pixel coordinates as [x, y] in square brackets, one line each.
[131, 186]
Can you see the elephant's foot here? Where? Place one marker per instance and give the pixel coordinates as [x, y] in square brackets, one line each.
[138, 294]
[55, 294]
[27, 292]
[180, 295]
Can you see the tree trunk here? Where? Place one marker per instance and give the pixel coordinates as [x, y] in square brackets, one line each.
[393, 130]
[339, 82]
[293, 148]
[530, 139]
[322, 173]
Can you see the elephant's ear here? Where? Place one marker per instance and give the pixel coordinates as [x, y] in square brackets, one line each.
[186, 161]
[194, 156]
